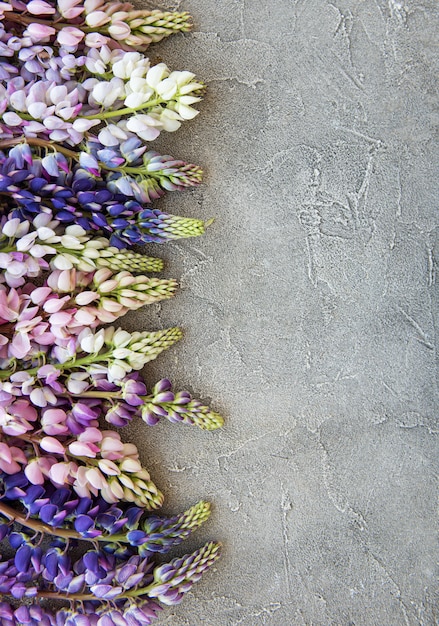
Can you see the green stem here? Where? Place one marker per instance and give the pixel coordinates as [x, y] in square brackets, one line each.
[80, 597]
[77, 363]
[125, 111]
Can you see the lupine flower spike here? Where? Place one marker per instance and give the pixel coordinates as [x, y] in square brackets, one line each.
[79, 105]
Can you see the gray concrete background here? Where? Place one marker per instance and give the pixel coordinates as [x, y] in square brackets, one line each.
[311, 312]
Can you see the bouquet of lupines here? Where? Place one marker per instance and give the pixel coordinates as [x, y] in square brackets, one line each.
[78, 101]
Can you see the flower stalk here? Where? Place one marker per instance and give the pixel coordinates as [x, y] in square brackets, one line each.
[80, 104]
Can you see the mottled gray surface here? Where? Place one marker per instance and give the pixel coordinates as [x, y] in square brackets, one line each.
[311, 312]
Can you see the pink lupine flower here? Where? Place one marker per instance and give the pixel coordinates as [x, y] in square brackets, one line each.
[39, 32]
[20, 346]
[53, 422]
[69, 9]
[62, 473]
[70, 37]
[108, 467]
[50, 444]
[33, 473]
[39, 7]
[42, 396]
[91, 435]
[5, 453]
[55, 304]
[12, 424]
[95, 40]
[79, 448]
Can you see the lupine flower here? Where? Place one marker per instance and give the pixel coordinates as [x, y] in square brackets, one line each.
[32, 319]
[62, 75]
[24, 246]
[143, 104]
[172, 580]
[111, 22]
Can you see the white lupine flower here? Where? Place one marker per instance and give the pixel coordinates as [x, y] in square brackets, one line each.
[112, 135]
[57, 94]
[82, 126]
[18, 101]
[78, 382]
[121, 353]
[106, 93]
[37, 110]
[119, 338]
[167, 88]
[156, 74]
[186, 89]
[136, 99]
[118, 370]
[12, 119]
[181, 77]
[170, 120]
[25, 243]
[74, 230]
[90, 342]
[185, 111]
[128, 63]
[63, 262]
[147, 127]
[71, 243]
[10, 228]
[130, 465]
[44, 233]
[97, 18]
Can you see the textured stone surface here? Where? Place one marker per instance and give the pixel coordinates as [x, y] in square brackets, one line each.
[311, 312]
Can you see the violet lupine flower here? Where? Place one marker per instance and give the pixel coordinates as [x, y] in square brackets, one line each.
[172, 580]
[178, 407]
[26, 615]
[106, 205]
[94, 518]
[18, 582]
[142, 613]
[148, 174]
[126, 172]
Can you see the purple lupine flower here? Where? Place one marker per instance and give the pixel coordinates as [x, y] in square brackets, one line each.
[177, 407]
[94, 204]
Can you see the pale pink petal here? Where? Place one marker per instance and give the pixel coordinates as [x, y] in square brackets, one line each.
[34, 473]
[50, 444]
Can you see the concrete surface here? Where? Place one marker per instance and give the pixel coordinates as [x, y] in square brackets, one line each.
[311, 312]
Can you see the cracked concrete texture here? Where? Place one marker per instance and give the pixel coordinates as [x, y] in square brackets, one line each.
[311, 312]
